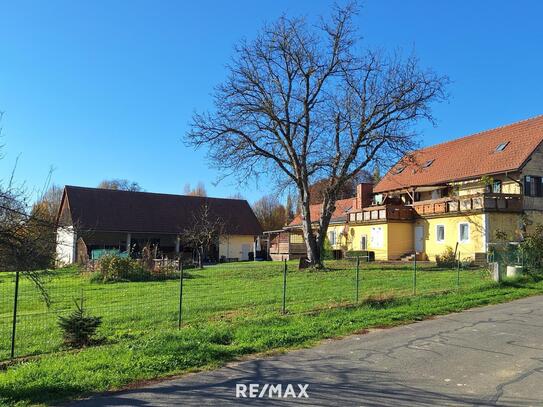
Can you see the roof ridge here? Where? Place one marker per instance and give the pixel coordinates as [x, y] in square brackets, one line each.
[539, 116]
[154, 193]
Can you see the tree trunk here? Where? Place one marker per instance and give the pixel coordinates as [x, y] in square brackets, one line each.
[200, 259]
[312, 247]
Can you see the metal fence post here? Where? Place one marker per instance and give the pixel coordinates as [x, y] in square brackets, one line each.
[458, 272]
[180, 295]
[283, 309]
[415, 274]
[357, 276]
[14, 327]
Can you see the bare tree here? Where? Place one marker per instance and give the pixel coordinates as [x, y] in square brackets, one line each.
[318, 190]
[199, 189]
[120, 184]
[302, 103]
[270, 213]
[205, 231]
[23, 247]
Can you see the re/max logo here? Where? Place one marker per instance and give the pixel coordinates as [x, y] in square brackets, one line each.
[255, 390]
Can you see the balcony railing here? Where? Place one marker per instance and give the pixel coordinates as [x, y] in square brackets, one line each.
[488, 202]
[481, 202]
[382, 213]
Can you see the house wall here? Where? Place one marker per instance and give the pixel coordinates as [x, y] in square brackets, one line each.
[357, 231]
[534, 167]
[342, 239]
[66, 245]
[400, 239]
[478, 225]
[508, 223]
[231, 246]
[477, 187]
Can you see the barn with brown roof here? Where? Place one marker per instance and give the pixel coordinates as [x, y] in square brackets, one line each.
[93, 221]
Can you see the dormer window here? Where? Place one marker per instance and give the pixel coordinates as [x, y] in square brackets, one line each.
[501, 146]
[399, 170]
[428, 163]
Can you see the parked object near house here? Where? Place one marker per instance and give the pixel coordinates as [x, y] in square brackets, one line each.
[101, 220]
[461, 194]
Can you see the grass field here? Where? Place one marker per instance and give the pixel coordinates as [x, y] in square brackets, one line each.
[228, 311]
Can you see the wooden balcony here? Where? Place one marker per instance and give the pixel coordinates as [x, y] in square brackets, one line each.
[488, 202]
[281, 243]
[382, 213]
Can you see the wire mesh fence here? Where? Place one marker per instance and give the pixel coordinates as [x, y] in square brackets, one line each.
[220, 293]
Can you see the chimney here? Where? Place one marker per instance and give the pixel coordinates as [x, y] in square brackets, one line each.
[364, 192]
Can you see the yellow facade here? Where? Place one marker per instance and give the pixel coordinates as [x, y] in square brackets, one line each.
[389, 241]
[236, 247]
[434, 243]
[338, 236]
[392, 240]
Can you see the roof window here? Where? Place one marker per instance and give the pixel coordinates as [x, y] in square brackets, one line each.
[501, 146]
[428, 163]
[399, 170]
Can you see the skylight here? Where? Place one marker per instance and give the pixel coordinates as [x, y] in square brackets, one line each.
[428, 163]
[501, 146]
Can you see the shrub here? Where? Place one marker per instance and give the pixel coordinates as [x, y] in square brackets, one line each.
[112, 268]
[447, 258]
[78, 329]
[328, 251]
[531, 249]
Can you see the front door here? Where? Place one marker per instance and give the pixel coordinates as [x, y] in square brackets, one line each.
[244, 252]
[419, 239]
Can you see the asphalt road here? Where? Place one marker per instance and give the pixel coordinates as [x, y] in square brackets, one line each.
[485, 356]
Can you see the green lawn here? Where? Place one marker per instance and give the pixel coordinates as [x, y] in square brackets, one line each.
[228, 311]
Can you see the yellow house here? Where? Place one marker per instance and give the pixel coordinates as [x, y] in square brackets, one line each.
[461, 194]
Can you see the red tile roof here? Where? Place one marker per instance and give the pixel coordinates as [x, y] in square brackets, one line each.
[467, 157]
[340, 214]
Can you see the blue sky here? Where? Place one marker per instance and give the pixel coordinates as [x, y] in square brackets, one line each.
[105, 89]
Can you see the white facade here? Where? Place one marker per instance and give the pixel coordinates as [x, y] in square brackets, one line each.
[66, 245]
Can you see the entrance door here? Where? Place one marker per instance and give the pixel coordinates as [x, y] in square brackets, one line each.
[245, 252]
[419, 239]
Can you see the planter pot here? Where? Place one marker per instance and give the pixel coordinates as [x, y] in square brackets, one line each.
[514, 271]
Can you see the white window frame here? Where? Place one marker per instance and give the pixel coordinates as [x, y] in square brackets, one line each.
[437, 233]
[332, 237]
[377, 237]
[460, 232]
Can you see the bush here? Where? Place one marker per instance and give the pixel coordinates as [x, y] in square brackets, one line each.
[78, 329]
[112, 268]
[531, 249]
[447, 258]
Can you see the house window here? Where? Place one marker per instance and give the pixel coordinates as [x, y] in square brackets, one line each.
[376, 237]
[463, 232]
[497, 187]
[532, 186]
[332, 237]
[399, 170]
[364, 242]
[440, 233]
[501, 146]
